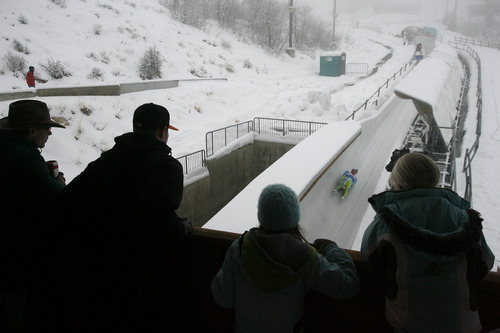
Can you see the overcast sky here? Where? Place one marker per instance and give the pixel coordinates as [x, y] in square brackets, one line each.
[431, 8]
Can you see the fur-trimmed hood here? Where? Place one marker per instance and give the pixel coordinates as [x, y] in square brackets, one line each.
[436, 221]
[429, 247]
[449, 244]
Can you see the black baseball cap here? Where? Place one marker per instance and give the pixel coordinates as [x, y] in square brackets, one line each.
[151, 115]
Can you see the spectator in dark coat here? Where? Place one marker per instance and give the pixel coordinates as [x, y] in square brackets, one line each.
[26, 191]
[30, 77]
[396, 154]
[126, 244]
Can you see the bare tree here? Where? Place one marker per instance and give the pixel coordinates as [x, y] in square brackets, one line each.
[190, 12]
[309, 32]
[226, 12]
[266, 21]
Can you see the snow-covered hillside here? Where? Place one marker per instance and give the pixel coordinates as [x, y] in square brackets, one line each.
[259, 83]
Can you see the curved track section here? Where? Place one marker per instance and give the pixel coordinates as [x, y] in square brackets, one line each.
[313, 167]
[324, 215]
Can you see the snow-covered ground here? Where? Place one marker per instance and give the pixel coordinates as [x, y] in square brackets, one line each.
[258, 84]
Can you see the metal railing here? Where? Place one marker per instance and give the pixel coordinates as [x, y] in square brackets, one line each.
[192, 161]
[220, 138]
[285, 126]
[373, 99]
[465, 40]
[452, 151]
[356, 68]
[471, 152]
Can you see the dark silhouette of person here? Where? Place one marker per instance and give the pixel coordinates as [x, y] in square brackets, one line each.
[126, 264]
[27, 191]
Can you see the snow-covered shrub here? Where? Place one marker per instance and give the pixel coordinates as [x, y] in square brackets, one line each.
[95, 74]
[20, 47]
[15, 63]
[105, 58]
[97, 29]
[56, 69]
[60, 3]
[226, 44]
[150, 64]
[92, 56]
[108, 6]
[199, 72]
[133, 33]
[22, 19]
[116, 72]
[247, 64]
[209, 42]
[86, 110]
[229, 68]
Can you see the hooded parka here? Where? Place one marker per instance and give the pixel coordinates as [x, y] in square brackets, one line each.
[265, 278]
[429, 244]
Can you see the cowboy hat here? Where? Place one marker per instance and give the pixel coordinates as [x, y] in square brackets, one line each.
[26, 114]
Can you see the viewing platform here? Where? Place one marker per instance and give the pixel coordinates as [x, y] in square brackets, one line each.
[363, 313]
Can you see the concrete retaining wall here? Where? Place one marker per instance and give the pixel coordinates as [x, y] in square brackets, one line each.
[97, 90]
[17, 94]
[228, 175]
[147, 85]
[104, 90]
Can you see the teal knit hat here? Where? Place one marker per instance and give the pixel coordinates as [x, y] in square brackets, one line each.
[278, 208]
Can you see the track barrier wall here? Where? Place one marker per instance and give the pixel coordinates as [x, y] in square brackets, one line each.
[363, 313]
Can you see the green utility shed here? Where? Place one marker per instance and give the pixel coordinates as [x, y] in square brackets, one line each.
[332, 64]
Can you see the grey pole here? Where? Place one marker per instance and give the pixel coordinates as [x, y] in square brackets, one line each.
[290, 50]
[334, 16]
[291, 26]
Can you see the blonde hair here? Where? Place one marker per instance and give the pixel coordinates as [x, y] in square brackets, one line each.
[414, 170]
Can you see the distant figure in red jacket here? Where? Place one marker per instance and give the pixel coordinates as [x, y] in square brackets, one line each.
[30, 77]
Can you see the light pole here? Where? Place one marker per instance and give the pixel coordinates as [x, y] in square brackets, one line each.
[290, 50]
[290, 45]
[334, 16]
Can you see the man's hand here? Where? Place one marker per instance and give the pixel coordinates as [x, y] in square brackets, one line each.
[186, 226]
[60, 178]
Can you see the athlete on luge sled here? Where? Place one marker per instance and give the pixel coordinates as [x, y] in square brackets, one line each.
[347, 182]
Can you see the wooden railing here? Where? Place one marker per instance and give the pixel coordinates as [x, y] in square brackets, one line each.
[364, 313]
